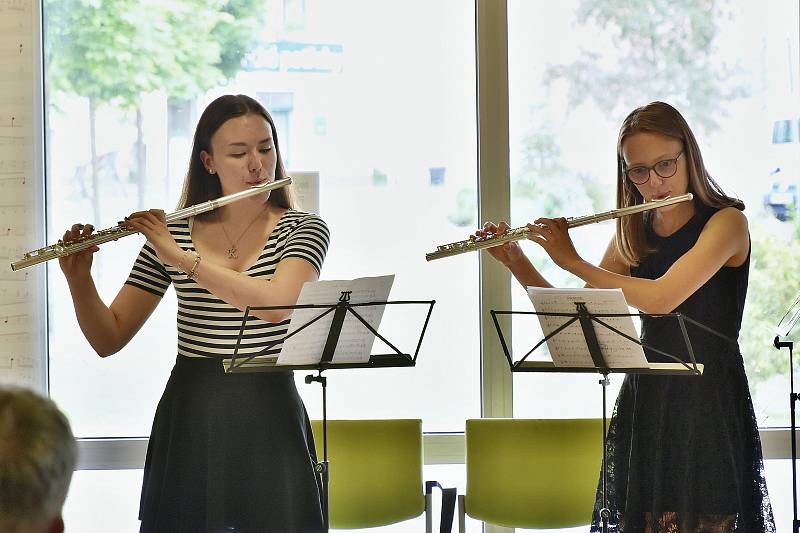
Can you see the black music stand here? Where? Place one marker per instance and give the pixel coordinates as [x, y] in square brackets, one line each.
[588, 322]
[339, 310]
[785, 327]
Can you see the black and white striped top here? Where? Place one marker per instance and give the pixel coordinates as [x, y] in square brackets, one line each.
[207, 326]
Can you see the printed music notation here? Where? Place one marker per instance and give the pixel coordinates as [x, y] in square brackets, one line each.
[14, 211]
[7, 339]
[568, 347]
[10, 69]
[355, 341]
[11, 141]
[18, 366]
[11, 99]
[16, 87]
[19, 6]
[9, 275]
[13, 166]
[18, 230]
[18, 43]
[20, 324]
[15, 320]
[12, 182]
[14, 120]
[13, 296]
[12, 252]
[13, 362]
[15, 26]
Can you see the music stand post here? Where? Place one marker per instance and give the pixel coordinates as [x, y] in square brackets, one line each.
[793, 425]
[587, 323]
[340, 311]
[785, 326]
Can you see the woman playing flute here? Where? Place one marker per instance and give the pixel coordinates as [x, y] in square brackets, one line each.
[227, 452]
[684, 454]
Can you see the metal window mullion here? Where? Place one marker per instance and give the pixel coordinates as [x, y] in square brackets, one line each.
[491, 38]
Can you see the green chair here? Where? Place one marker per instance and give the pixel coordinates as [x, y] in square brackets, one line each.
[533, 474]
[375, 473]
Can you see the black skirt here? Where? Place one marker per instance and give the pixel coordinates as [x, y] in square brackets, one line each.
[230, 452]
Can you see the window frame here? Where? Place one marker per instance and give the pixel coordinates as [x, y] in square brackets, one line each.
[494, 203]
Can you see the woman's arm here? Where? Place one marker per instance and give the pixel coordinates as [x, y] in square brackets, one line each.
[109, 328]
[233, 287]
[511, 256]
[240, 290]
[613, 262]
[723, 242]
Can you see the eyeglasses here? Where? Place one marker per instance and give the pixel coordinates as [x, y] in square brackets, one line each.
[665, 168]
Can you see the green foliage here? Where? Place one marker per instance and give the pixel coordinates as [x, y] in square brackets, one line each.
[546, 187]
[237, 33]
[774, 283]
[466, 209]
[661, 49]
[112, 51]
[116, 50]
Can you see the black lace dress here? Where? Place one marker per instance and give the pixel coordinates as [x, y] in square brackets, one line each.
[684, 454]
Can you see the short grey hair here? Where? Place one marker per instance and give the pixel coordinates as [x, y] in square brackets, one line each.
[37, 458]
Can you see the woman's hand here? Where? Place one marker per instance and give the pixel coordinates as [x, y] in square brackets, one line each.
[552, 234]
[79, 263]
[153, 225]
[507, 253]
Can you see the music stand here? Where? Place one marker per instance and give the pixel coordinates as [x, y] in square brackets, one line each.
[339, 310]
[784, 328]
[588, 322]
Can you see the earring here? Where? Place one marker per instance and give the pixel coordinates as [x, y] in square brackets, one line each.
[210, 171]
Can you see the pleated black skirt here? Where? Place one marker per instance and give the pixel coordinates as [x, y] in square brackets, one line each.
[230, 452]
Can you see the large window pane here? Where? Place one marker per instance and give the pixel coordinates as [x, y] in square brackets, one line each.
[732, 72]
[377, 97]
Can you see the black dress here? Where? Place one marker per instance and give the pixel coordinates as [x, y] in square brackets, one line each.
[230, 452]
[684, 453]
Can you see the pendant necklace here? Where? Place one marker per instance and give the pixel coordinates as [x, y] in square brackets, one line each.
[233, 251]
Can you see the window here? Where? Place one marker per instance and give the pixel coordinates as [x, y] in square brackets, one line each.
[387, 116]
[340, 94]
[782, 132]
[566, 105]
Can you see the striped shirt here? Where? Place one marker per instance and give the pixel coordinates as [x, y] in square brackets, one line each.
[208, 326]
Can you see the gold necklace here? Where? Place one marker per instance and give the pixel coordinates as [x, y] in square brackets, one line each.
[233, 251]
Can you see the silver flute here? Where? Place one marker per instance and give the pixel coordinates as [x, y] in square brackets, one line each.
[61, 248]
[518, 234]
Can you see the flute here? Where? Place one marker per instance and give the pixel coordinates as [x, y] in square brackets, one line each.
[61, 248]
[518, 234]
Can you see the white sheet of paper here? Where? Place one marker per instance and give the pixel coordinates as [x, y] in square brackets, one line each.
[568, 347]
[355, 341]
[306, 189]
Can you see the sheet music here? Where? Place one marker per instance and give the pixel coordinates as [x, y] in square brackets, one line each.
[568, 347]
[355, 341]
[306, 190]
[22, 354]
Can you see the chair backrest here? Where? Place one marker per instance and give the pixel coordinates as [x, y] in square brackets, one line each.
[536, 474]
[375, 471]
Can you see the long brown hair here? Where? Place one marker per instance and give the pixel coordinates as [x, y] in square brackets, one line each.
[201, 186]
[658, 117]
